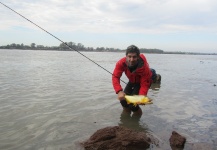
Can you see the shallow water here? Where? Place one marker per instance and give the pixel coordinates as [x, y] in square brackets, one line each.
[55, 100]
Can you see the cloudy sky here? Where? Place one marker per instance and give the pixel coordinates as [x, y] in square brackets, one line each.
[170, 25]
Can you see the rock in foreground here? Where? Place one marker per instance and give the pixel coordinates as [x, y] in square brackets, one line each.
[117, 138]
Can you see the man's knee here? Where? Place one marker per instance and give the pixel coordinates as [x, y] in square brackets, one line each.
[156, 78]
[124, 103]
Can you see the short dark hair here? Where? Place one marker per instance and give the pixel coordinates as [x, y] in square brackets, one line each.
[133, 49]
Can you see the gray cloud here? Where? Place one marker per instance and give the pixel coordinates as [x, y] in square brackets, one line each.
[116, 16]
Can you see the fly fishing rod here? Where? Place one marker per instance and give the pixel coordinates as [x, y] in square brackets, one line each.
[60, 41]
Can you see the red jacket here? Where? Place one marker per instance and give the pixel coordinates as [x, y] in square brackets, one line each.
[141, 75]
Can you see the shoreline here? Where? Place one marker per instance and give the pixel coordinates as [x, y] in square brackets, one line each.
[115, 51]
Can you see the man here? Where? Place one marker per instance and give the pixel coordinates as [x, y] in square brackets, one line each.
[139, 74]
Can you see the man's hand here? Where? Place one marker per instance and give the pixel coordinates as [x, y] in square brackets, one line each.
[121, 95]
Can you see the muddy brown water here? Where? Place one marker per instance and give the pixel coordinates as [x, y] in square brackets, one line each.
[54, 100]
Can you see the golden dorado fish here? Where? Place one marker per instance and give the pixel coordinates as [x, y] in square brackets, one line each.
[137, 99]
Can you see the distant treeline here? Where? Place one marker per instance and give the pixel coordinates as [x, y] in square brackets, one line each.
[74, 46]
[145, 50]
[80, 47]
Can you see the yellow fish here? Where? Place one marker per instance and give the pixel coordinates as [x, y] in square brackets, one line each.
[138, 99]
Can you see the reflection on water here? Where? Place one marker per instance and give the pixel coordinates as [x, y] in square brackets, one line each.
[132, 122]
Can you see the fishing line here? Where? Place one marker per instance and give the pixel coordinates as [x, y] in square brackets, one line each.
[61, 41]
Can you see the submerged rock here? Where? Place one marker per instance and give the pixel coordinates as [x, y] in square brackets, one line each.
[117, 138]
[177, 141]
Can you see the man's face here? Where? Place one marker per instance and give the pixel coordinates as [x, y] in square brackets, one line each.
[132, 59]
